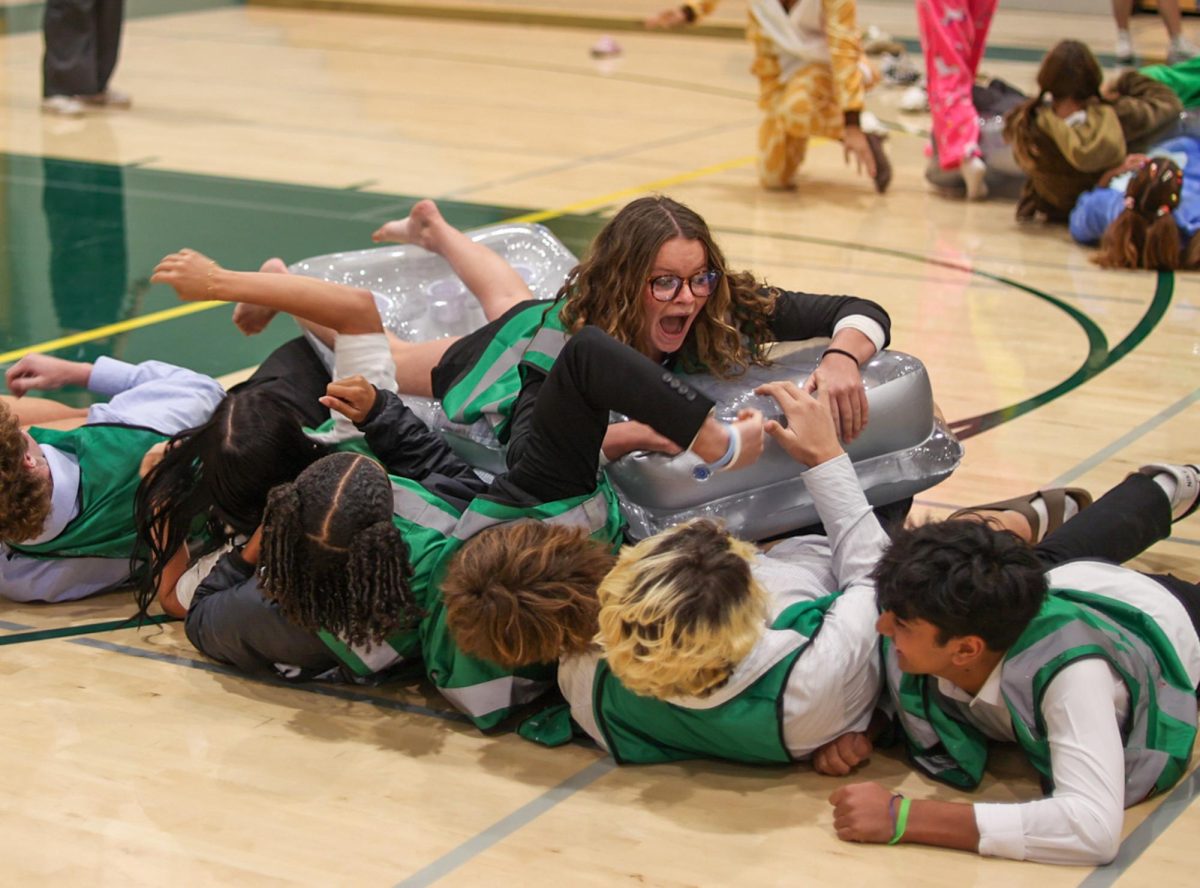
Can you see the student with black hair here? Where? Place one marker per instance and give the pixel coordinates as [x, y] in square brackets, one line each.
[1091, 668]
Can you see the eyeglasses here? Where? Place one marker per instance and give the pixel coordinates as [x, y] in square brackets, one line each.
[666, 287]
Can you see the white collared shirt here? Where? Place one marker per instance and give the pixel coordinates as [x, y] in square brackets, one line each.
[1083, 709]
[834, 685]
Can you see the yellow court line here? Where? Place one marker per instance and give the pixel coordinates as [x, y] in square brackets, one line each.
[540, 216]
[109, 330]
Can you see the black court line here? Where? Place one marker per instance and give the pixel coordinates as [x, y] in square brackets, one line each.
[81, 629]
[334, 691]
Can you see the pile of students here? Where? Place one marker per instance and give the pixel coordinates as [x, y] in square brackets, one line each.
[301, 547]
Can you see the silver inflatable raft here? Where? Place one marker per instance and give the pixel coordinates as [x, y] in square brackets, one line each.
[905, 448]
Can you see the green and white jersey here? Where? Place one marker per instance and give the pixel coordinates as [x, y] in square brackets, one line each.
[1158, 731]
[434, 530]
[533, 337]
[743, 721]
[109, 458]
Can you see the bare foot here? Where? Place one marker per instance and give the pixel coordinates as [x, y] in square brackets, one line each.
[253, 319]
[422, 226]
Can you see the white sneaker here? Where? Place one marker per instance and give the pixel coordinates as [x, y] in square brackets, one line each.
[110, 98]
[1124, 50]
[1180, 50]
[914, 100]
[1187, 486]
[63, 106]
[974, 173]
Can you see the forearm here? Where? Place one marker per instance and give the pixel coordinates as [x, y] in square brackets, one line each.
[557, 438]
[154, 394]
[406, 446]
[808, 315]
[944, 824]
[341, 308]
[855, 536]
[854, 341]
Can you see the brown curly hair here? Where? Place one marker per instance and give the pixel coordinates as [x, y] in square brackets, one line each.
[26, 496]
[525, 592]
[605, 289]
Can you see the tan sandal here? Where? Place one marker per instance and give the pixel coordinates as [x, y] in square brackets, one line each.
[1056, 506]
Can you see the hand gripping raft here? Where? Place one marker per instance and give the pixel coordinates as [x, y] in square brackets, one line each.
[905, 448]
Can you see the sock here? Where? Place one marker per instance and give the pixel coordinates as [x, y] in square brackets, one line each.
[1168, 484]
[1070, 510]
[1039, 506]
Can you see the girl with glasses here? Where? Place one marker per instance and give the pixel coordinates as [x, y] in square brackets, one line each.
[654, 279]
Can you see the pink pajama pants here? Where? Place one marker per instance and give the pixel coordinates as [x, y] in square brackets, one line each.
[953, 33]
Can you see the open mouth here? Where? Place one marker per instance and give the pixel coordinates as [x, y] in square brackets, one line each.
[673, 325]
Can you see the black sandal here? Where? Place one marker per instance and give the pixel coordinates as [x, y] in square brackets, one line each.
[883, 166]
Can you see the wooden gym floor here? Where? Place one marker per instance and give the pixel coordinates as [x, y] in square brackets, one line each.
[260, 131]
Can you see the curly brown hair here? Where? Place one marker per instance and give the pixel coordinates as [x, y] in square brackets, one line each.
[605, 289]
[525, 592]
[25, 502]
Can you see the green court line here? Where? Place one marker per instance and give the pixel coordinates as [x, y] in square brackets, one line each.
[1098, 360]
[82, 629]
[1099, 356]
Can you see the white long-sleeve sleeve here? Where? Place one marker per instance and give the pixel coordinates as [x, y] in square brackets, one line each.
[1081, 822]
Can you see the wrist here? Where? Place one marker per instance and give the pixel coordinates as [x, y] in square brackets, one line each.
[83, 374]
[711, 441]
[840, 354]
[220, 284]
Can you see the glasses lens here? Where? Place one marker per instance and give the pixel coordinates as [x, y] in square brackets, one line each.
[704, 283]
[665, 287]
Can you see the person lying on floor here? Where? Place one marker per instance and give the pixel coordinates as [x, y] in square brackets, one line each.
[66, 496]
[350, 557]
[1091, 668]
[704, 647]
[220, 472]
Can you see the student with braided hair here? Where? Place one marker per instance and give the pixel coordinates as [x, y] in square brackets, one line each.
[1148, 217]
[437, 503]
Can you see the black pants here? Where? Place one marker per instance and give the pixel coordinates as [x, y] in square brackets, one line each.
[560, 420]
[1119, 526]
[82, 39]
[296, 375]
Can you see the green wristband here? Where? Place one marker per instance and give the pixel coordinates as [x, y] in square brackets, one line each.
[901, 821]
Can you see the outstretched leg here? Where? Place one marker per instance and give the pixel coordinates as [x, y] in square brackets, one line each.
[493, 281]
